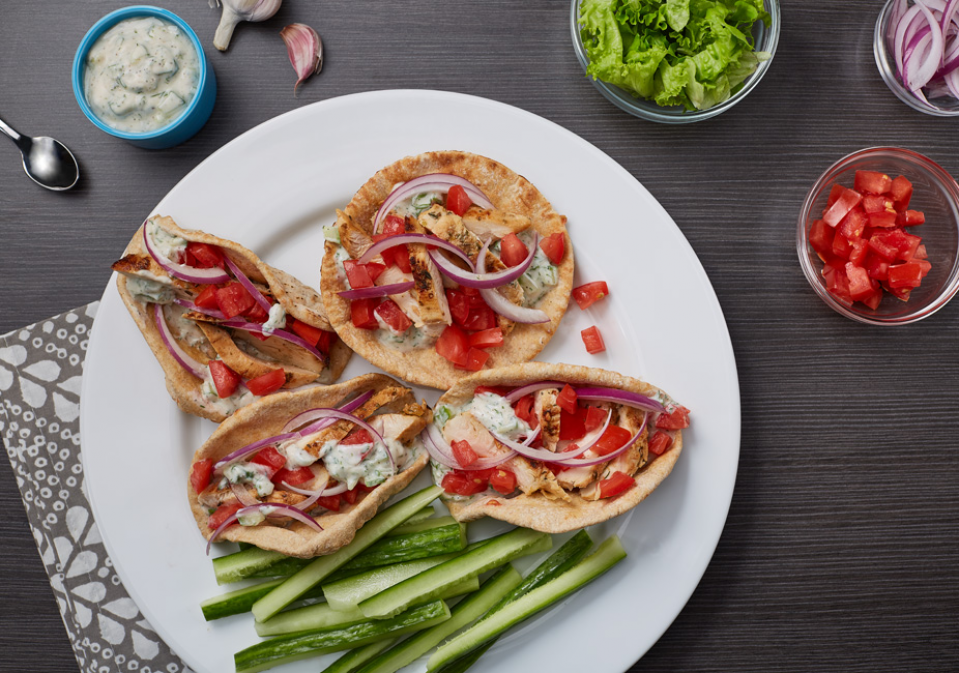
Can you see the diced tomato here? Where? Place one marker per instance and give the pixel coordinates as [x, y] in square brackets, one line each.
[222, 513]
[873, 300]
[393, 316]
[853, 224]
[567, 399]
[841, 247]
[860, 286]
[207, 298]
[595, 417]
[480, 317]
[876, 204]
[909, 249]
[394, 224]
[554, 246]
[876, 266]
[908, 275]
[454, 346]
[617, 484]
[457, 200]
[462, 482]
[358, 436]
[834, 194]
[459, 305]
[487, 338]
[308, 333]
[200, 474]
[503, 481]
[872, 182]
[659, 443]
[900, 293]
[502, 391]
[269, 457]
[860, 248]
[475, 359]
[512, 250]
[464, 453]
[820, 237]
[901, 192]
[358, 274]
[572, 425]
[677, 419]
[613, 439]
[234, 300]
[330, 502]
[885, 219]
[524, 409]
[593, 340]
[257, 314]
[848, 199]
[300, 475]
[267, 383]
[325, 342]
[924, 266]
[361, 313]
[375, 269]
[225, 380]
[206, 256]
[836, 281]
[913, 217]
[590, 293]
[351, 496]
[881, 245]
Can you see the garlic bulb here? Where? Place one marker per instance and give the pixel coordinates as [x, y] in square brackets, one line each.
[305, 48]
[235, 11]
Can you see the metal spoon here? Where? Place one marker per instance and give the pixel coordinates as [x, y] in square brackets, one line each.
[46, 161]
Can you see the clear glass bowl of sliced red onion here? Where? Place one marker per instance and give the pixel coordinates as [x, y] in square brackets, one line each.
[916, 45]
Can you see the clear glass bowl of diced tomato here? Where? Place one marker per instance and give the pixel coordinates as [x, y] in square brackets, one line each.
[878, 236]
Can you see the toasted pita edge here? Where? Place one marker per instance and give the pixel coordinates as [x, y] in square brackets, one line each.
[508, 191]
[535, 511]
[267, 417]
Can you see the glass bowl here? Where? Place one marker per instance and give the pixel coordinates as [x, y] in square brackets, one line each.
[178, 130]
[935, 193]
[766, 39]
[883, 47]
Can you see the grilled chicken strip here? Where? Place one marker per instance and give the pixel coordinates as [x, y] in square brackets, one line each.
[427, 283]
[247, 365]
[630, 461]
[548, 413]
[497, 223]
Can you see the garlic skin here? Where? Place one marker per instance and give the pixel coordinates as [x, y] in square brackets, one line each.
[305, 49]
[235, 11]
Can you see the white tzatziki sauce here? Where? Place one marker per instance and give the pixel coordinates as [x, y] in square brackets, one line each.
[141, 74]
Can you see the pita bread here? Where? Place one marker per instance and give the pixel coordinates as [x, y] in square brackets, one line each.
[266, 418]
[298, 300]
[556, 515]
[510, 193]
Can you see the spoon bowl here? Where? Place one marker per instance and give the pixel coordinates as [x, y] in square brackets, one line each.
[46, 161]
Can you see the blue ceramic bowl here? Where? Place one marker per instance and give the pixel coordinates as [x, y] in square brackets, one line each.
[180, 129]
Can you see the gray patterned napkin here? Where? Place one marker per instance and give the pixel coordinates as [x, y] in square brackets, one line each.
[40, 373]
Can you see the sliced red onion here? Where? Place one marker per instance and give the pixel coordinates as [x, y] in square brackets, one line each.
[917, 76]
[415, 239]
[314, 495]
[212, 312]
[624, 397]
[432, 182]
[506, 308]
[181, 356]
[249, 449]
[952, 82]
[248, 284]
[589, 462]
[904, 33]
[296, 339]
[243, 495]
[485, 281]
[520, 393]
[272, 510]
[182, 271]
[548, 456]
[343, 416]
[377, 291]
[440, 451]
[301, 419]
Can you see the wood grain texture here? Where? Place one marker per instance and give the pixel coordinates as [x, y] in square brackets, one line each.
[841, 551]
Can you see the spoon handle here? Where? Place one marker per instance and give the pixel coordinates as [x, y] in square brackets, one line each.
[8, 130]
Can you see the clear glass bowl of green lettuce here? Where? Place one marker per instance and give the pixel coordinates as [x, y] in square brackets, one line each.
[675, 61]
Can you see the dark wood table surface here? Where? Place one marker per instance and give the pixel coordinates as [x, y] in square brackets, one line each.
[841, 549]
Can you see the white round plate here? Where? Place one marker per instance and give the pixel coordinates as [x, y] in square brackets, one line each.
[271, 189]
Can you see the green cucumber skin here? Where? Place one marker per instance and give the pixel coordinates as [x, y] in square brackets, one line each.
[242, 600]
[466, 611]
[572, 552]
[608, 554]
[252, 561]
[495, 552]
[352, 660]
[286, 649]
[320, 568]
[428, 524]
[391, 549]
[323, 617]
